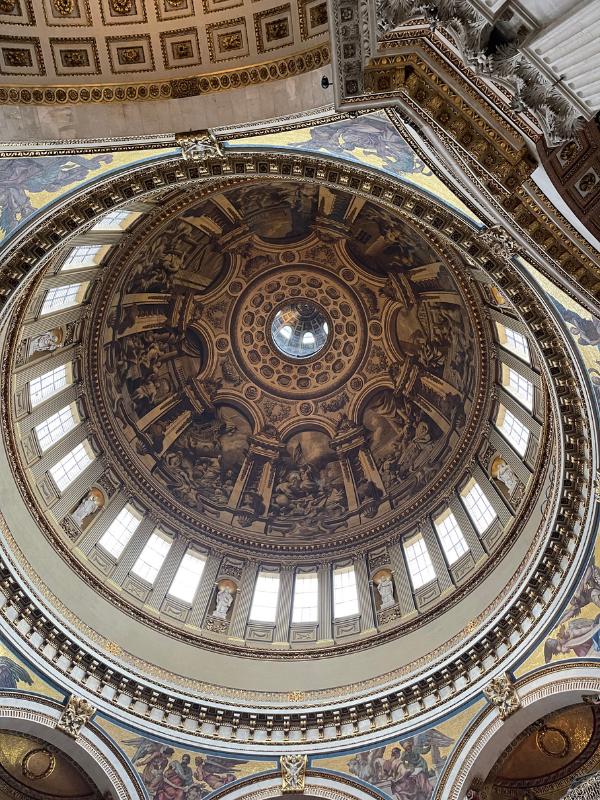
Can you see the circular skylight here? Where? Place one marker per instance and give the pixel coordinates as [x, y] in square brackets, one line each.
[300, 329]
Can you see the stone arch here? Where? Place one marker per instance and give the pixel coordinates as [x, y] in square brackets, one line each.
[323, 785]
[541, 692]
[93, 751]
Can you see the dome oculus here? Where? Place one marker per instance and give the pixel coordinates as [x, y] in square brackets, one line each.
[300, 330]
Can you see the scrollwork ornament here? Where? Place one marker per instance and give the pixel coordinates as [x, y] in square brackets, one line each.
[501, 692]
[293, 769]
[499, 241]
[77, 713]
[199, 145]
[7, 6]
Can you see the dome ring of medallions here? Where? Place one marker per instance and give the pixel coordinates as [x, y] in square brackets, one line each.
[284, 375]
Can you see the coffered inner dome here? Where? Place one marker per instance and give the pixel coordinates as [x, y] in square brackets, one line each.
[289, 418]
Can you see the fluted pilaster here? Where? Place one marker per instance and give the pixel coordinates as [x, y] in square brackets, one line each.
[237, 629]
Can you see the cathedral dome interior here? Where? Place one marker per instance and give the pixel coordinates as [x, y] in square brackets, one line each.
[300, 345]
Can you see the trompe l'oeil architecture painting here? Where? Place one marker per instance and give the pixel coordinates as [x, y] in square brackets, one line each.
[300, 371]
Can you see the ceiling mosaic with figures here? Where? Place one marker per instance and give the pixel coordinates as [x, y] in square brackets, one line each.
[242, 440]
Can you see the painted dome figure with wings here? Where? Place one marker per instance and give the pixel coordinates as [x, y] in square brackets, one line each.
[12, 673]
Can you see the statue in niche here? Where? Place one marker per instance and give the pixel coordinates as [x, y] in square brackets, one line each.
[90, 504]
[385, 588]
[503, 473]
[224, 600]
[309, 486]
[46, 342]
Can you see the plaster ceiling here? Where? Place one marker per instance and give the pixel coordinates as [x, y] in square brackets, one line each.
[150, 49]
[248, 444]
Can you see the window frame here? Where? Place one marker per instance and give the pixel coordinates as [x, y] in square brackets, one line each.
[425, 572]
[353, 602]
[261, 592]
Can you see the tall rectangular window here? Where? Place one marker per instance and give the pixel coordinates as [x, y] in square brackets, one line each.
[306, 598]
[60, 297]
[420, 567]
[152, 556]
[517, 385]
[513, 341]
[513, 430]
[118, 534]
[478, 507]
[53, 429]
[345, 595]
[50, 383]
[451, 536]
[81, 256]
[187, 578]
[73, 464]
[264, 602]
[114, 221]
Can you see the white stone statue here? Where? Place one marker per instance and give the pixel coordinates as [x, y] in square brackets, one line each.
[385, 587]
[506, 476]
[224, 600]
[89, 505]
[45, 342]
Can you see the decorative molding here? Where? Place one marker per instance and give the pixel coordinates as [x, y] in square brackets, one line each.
[501, 693]
[507, 64]
[77, 713]
[293, 772]
[192, 86]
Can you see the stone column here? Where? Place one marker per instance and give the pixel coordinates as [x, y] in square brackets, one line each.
[76, 490]
[365, 601]
[167, 572]
[243, 601]
[60, 449]
[493, 495]
[284, 604]
[325, 603]
[207, 582]
[406, 601]
[50, 406]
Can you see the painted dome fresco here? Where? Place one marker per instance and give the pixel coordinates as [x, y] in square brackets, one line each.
[283, 415]
[205, 402]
